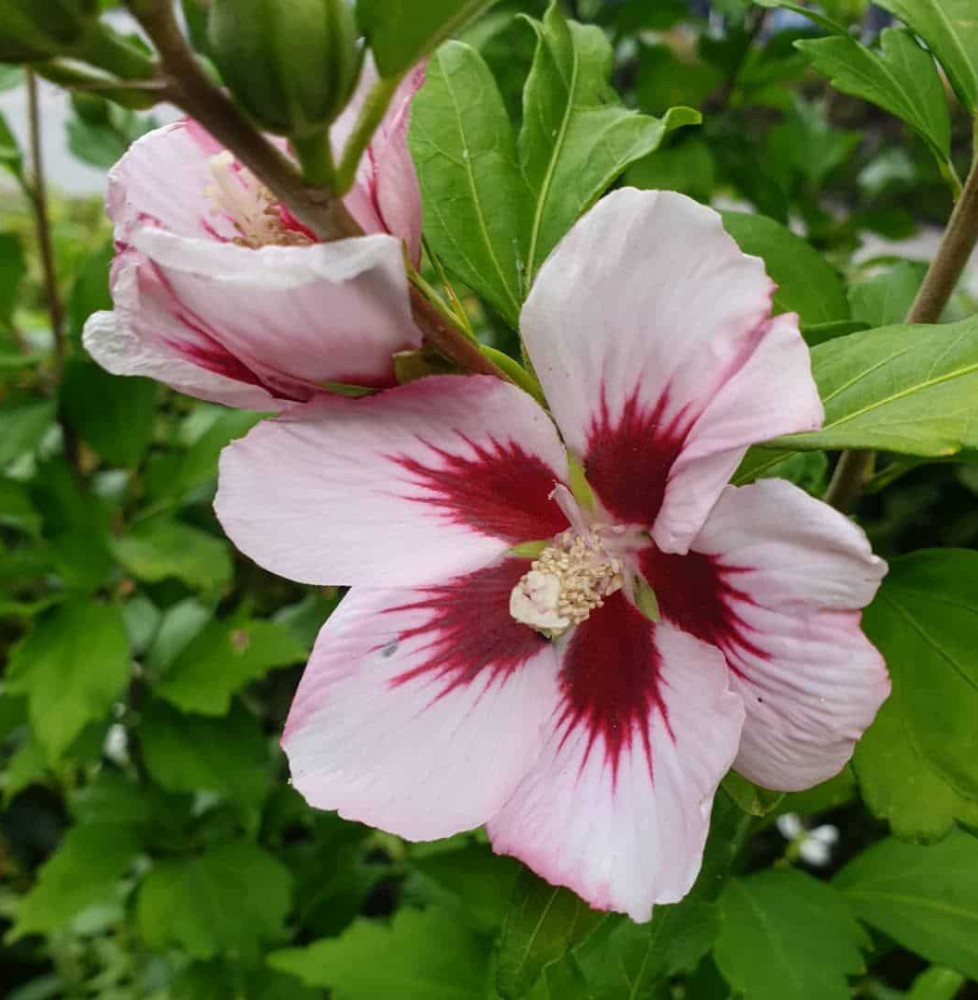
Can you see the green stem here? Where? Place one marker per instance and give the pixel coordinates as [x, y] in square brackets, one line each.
[112, 53]
[316, 159]
[371, 115]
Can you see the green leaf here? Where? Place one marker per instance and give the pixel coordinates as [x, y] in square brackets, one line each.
[926, 615]
[688, 167]
[159, 549]
[22, 428]
[925, 898]
[822, 20]
[84, 871]
[188, 753]
[16, 508]
[475, 881]
[229, 900]
[901, 78]
[542, 924]
[909, 389]
[751, 798]
[885, 299]
[787, 936]
[12, 270]
[114, 415]
[90, 292]
[805, 469]
[576, 137]
[475, 199]
[807, 283]
[102, 143]
[11, 158]
[936, 983]
[222, 659]
[400, 32]
[72, 667]
[427, 955]
[950, 29]
[896, 782]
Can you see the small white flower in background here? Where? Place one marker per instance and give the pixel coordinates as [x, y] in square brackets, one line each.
[814, 847]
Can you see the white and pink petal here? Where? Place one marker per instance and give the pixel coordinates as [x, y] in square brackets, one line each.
[776, 580]
[617, 808]
[645, 317]
[412, 486]
[421, 710]
[287, 320]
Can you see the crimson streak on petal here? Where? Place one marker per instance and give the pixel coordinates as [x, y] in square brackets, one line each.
[699, 595]
[470, 629]
[628, 459]
[500, 489]
[611, 681]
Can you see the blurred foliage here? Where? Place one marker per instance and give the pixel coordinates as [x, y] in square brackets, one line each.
[151, 847]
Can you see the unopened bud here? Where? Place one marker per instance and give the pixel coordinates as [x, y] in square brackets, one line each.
[43, 29]
[291, 64]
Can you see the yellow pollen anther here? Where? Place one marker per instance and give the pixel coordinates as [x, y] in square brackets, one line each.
[237, 194]
[565, 584]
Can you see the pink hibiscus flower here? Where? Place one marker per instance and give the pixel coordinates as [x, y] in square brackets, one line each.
[463, 682]
[221, 293]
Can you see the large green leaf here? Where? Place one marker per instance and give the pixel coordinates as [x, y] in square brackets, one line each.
[576, 136]
[189, 753]
[222, 659]
[72, 667]
[787, 936]
[909, 389]
[901, 78]
[161, 548]
[400, 32]
[475, 199]
[950, 29]
[119, 426]
[84, 871]
[926, 616]
[229, 900]
[542, 924]
[885, 299]
[12, 270]
[426, 955]
[926, 898]
[807, 283]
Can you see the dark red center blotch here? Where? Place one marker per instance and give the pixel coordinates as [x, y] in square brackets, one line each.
[469, 628]
[699, 595]
[611, 682]
[499, 489]
[629, 457]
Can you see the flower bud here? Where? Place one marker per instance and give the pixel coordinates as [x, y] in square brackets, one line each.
[291, 64]
[42, 29]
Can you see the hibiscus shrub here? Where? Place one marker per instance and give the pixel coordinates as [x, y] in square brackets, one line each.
[490, 510]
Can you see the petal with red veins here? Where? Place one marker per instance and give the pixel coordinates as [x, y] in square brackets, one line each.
[777, 580]
[163, 181]
[150, 334]
[287, 319]
[385, 197]
[651, 334]
[411, 486]
[421, 710]
[618, 806]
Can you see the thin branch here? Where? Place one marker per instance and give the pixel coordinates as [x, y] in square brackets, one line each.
[191, 90]
[37, 192]
[42, 224]
[943, 275]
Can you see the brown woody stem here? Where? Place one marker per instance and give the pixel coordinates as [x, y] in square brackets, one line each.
[941, 279]
[191, 90]
[38, 194]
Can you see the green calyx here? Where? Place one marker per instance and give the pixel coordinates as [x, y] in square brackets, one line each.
[291, 65]
[33, 30]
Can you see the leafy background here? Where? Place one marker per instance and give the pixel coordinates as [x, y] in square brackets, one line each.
[150, 845]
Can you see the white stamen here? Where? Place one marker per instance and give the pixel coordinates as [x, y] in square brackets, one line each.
[565, 584]
[237, 194]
